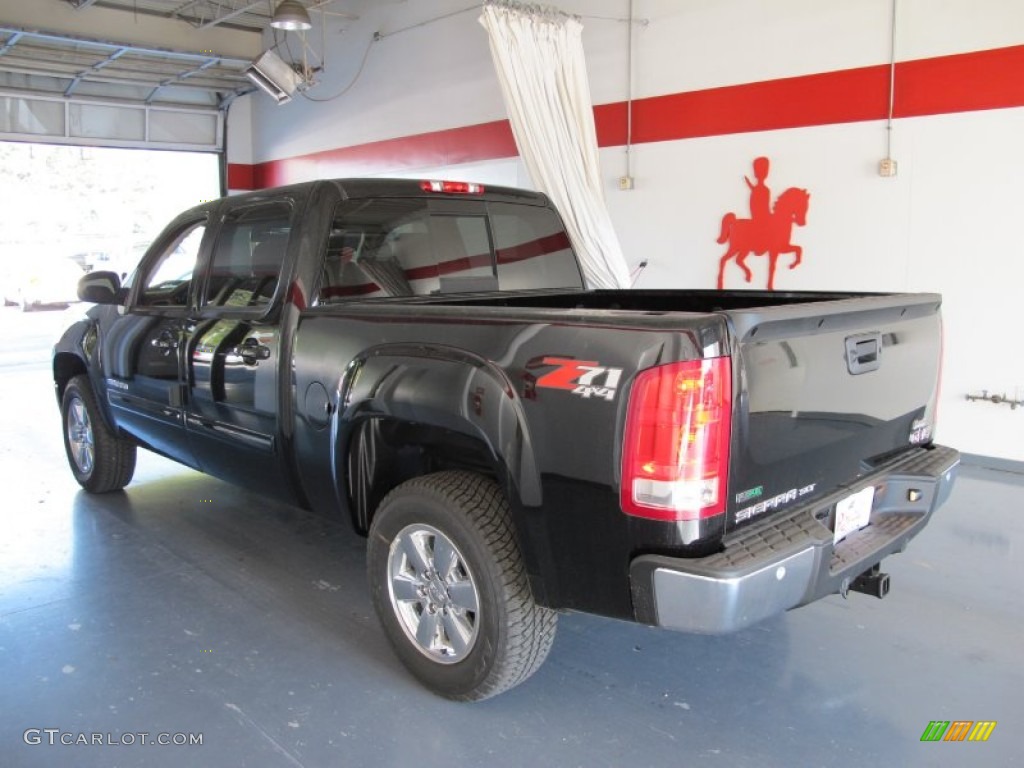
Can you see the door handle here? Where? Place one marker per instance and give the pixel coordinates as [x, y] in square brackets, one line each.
[251, 351]
[165, 340]
[863, 353]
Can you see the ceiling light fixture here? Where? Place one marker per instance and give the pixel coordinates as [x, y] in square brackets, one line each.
[291, 16]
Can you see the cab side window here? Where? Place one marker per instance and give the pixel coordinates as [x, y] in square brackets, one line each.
[248, 256]
[167, 280]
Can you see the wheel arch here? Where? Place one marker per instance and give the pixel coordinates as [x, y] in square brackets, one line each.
[71, 354]
[66, 365]
[77, 354]
[409, 412]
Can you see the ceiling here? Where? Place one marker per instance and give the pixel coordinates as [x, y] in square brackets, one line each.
[46, 55]
[64, 65]
[233, 14]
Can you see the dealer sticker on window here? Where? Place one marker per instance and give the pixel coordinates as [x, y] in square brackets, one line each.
[853, 513]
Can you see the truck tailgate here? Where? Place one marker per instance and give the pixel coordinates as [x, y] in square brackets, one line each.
[825, 392]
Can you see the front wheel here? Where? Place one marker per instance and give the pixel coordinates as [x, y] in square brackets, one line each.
[100, 460]
[450, 589]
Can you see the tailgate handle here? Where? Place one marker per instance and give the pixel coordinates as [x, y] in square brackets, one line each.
[863, 353]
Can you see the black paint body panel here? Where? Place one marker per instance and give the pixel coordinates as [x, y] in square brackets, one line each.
[453, 378]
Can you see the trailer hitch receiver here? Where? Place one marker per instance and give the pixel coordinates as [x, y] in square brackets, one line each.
[872, 582]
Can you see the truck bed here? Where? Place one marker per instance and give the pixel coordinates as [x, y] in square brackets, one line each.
[827, 384]
[645, 300]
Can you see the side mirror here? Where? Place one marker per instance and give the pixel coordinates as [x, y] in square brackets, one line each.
[100, 288]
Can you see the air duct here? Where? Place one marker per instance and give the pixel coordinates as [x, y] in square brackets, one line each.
[271, 73]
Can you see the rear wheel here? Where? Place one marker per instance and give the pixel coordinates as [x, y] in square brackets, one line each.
[449, 586]
[100, 460]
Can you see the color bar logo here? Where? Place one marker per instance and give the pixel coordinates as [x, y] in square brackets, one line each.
[958, 730]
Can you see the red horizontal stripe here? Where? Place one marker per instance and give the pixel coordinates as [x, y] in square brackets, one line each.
[449, 267]
[531, 249]
[833, 97]
[964, 82]
[240, 176]
[449, 147]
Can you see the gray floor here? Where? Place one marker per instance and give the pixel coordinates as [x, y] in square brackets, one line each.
[188, 606]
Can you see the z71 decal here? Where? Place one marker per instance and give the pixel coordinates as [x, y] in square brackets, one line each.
[586, 378]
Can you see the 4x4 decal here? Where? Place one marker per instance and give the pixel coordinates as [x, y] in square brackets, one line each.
[586, 378]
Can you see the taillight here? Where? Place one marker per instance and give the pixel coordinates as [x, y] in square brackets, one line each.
[452, 187]
[675, 458]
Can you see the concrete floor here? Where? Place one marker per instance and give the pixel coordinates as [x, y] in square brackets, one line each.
[185, 605]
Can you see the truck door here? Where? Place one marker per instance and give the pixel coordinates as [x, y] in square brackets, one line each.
[233, 358]
[143, 347]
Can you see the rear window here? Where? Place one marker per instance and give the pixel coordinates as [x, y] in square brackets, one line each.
[533, 250]
[388, 247]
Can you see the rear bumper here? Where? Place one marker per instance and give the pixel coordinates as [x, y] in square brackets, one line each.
[790, 560]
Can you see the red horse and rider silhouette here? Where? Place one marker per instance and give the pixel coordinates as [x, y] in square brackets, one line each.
[768, 230]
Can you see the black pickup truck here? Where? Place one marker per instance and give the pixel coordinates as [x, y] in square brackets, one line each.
[423, 360]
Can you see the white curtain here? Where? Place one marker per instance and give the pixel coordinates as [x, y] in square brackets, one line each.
[538, 55]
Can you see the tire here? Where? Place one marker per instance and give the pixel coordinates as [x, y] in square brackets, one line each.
[100, 460]
[450, 589]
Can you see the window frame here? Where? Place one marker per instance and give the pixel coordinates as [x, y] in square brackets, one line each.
[174, 233]
[259, 311]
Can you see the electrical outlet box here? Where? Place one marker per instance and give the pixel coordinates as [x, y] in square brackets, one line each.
[625, 183]
[887, 167]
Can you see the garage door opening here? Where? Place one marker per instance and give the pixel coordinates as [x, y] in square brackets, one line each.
[72, 209]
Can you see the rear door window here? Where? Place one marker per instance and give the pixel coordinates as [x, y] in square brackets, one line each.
[248, 257]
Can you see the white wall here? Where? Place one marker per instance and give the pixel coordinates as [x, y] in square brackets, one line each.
[428, 78]
[947, 222]
[240, 143]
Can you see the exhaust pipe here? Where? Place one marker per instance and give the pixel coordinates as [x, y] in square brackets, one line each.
[872, 582]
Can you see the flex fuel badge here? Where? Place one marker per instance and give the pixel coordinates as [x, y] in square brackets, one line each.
[753, 493]
[586, 378]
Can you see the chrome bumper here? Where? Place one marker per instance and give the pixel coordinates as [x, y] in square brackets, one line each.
[790, 560]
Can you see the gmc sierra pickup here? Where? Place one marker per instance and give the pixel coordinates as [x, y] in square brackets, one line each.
[423, 360]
